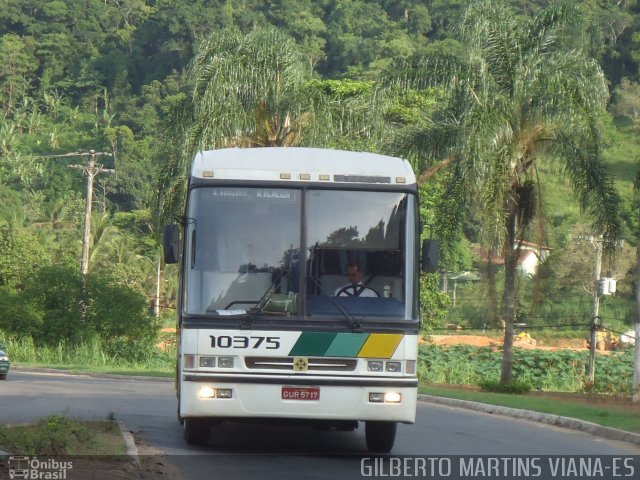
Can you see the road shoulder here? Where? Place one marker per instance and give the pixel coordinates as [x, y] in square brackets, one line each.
[550, 419]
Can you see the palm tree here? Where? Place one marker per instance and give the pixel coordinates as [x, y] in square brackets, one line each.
[249, 90]
[518, 99]
[103, 233]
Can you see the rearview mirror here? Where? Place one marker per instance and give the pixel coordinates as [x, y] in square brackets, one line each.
[171, 243]
[430, 255]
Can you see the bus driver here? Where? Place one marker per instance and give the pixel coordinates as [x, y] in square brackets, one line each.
[356, 286]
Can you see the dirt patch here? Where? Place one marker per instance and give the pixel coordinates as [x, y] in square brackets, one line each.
[167, 339]
[154, 464]
[485, 341]
[475, 340]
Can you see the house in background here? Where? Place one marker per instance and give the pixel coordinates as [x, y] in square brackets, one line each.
[450, 282]
[530, 255]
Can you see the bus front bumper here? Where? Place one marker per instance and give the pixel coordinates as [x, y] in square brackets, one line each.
[299, 397]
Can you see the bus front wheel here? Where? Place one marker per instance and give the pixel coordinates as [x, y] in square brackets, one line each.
[380, 436]
[196, 431]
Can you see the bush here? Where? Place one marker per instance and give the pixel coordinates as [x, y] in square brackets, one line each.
[117, 311]
[559, 370]
[56, 297]
[59, 306]
[498, 387]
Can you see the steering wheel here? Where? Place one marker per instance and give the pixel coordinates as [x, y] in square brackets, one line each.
[355, 291]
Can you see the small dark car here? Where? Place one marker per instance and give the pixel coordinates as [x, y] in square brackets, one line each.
[4, 363]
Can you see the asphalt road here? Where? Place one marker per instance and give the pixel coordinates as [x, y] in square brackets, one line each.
[257, 451]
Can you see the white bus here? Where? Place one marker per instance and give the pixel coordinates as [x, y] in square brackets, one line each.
[270, 326]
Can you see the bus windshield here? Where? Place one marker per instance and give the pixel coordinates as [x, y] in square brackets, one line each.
[240, 243]
[243, 252]
[357, 253]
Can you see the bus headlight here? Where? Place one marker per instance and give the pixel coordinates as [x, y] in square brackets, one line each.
[208, 362]
[395, 367]
[206, 392]
[392, 397]
[225, 362]
[374, 366]
[388, 397]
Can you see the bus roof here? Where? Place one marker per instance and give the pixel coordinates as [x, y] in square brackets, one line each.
[301, 164]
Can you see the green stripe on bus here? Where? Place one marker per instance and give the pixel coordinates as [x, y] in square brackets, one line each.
[312, 344]
[346, 345]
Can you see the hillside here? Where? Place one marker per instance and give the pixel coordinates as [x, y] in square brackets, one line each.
[107, 75]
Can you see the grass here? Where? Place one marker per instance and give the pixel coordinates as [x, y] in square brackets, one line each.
[91, 356]
[600, 409]
[78, 368]
[59, 435]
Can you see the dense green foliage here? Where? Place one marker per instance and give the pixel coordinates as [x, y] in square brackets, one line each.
[57, 306]
[561, 370]
[499, 387]
[92, 355]
[134, 78]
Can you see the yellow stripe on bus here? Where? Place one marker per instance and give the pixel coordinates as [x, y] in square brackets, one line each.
[380, 345]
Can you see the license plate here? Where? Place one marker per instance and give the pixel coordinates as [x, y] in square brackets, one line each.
[300, 393]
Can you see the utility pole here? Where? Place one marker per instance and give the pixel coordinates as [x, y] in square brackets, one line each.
[595, 308]
[91, 170]
[595, 311]
[156, 301]
[636, 357]
[602, 286]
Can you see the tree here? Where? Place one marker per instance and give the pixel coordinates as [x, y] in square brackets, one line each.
[20, 254]
[302, 19]
[251, 90]
[362, 39]
[247, 90]
[627, 100]
[116, 311]
[19, 64]
[434, 303]
[55, 297]
[517, 100]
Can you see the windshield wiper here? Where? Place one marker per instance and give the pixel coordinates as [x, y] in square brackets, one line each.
[349, 317]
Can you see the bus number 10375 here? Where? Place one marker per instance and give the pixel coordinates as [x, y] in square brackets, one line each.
[242, 341]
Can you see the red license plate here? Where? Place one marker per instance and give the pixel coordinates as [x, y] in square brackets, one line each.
[300, 393]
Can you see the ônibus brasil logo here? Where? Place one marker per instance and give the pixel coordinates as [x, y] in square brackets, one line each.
[36, 469]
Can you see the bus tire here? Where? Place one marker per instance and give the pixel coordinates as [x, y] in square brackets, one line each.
[380, 436]
[196, 431]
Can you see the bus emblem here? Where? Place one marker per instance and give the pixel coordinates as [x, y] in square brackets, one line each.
[301, 364]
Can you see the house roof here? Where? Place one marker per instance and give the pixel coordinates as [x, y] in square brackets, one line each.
[523, 254]
[532, 245]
